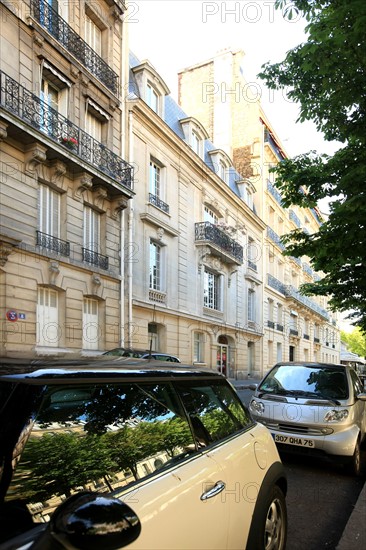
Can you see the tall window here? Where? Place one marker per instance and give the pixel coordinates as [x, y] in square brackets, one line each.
[49, 211]
[93, 126]
[279, 313]
[198, 347]
[155, 179]
[270, 309]
[93, 35]
[90, 324]
[251, 305]
[152, 98]
[212, 290]
[155, 266]
[91, 229]
[48, 329]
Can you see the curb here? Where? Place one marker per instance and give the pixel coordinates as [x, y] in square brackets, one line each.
[355, 530]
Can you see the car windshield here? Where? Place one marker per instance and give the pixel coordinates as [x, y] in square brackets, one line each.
[306, 380]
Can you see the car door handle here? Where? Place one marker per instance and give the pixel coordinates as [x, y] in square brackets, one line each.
[216, 489]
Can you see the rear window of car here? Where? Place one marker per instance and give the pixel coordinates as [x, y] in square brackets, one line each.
[307, 380]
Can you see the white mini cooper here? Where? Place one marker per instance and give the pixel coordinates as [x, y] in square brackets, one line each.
[99, 454]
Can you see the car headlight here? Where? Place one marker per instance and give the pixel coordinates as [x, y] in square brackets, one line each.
[336, 416]
[256, 407]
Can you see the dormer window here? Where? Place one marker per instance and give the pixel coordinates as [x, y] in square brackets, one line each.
[152, 98]
[151, 86]
[246, 192]
[221, 164]
[194, 134]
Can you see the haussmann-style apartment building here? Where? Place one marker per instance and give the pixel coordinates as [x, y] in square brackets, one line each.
[128, 219]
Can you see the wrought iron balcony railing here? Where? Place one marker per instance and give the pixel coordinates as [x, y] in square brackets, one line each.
[252, 265]
[63, 33]
[292, 292]
[275, 238]
[207, 231]
[93, 258]
[270, 324]
[274, 192]
[153, 199]
[53, 243]
[17, 100]
[293, 217]
[276, 284]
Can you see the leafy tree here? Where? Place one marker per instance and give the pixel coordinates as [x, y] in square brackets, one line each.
[326, 76]
[356, 341]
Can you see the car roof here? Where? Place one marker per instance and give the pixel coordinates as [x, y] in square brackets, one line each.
[309, 364]
[96, 368]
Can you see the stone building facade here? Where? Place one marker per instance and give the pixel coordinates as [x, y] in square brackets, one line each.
[64, 177]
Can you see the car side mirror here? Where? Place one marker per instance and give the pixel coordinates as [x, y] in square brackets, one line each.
[253, 386]
[90, 521]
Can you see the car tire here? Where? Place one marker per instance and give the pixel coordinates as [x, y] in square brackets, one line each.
[353, 466]
[269, 523]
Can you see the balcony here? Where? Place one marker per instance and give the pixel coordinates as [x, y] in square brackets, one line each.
[273, 191]
[206, 233]
[154, 199]
[292, 292]
[270, 324]
[50, 242]
[275, 238]
[276, 284]
[95, 259]
[50, 20]
[39, 116]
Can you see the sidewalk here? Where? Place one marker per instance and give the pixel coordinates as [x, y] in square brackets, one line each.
[354, 534]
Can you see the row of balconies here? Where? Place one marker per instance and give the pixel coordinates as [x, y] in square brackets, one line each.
[58, 246]
[29, 108]
[290, 292]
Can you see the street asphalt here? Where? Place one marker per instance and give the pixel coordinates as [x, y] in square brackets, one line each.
[354, 534]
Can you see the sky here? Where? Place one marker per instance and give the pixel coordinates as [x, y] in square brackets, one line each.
[175, 34]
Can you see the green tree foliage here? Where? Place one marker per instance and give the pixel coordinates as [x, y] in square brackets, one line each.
[355, 341]
[326, 76]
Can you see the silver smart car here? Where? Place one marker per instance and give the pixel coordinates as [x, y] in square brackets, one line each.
[316, 408]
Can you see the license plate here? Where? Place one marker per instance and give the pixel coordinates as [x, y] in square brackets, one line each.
[293, 440]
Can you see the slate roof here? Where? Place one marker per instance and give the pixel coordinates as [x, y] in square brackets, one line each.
[172, 116]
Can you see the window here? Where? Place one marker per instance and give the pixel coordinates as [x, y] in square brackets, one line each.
[152, 98]
[90, 324]
[154, 179]
[279, 352]
[93, 35]
[49, 211]
[212, 290]
[91, 229]
[251, 305]
[48, 329]
[195, 142]
[198, 347]
[252, 254]
[93, 126]
[210, 216]
[153, 335]
[270, 309]
[155, 266]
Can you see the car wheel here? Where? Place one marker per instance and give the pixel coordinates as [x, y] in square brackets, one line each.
[353, 467]
[269, 524]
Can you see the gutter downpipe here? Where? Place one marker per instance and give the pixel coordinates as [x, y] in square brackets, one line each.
[130, 232]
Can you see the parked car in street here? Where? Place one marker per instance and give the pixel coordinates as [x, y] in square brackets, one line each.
[99, 454]
[316, 408]
[143, 354]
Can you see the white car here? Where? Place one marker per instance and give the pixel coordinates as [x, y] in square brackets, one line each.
[316, 408]
[99, 455]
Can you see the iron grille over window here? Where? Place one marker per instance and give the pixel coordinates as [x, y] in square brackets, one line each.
[53, 243]
[93, 258]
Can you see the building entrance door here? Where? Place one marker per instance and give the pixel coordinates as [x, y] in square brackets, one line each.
[222, 358]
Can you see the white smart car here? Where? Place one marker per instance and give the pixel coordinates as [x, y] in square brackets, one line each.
[314, 408]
